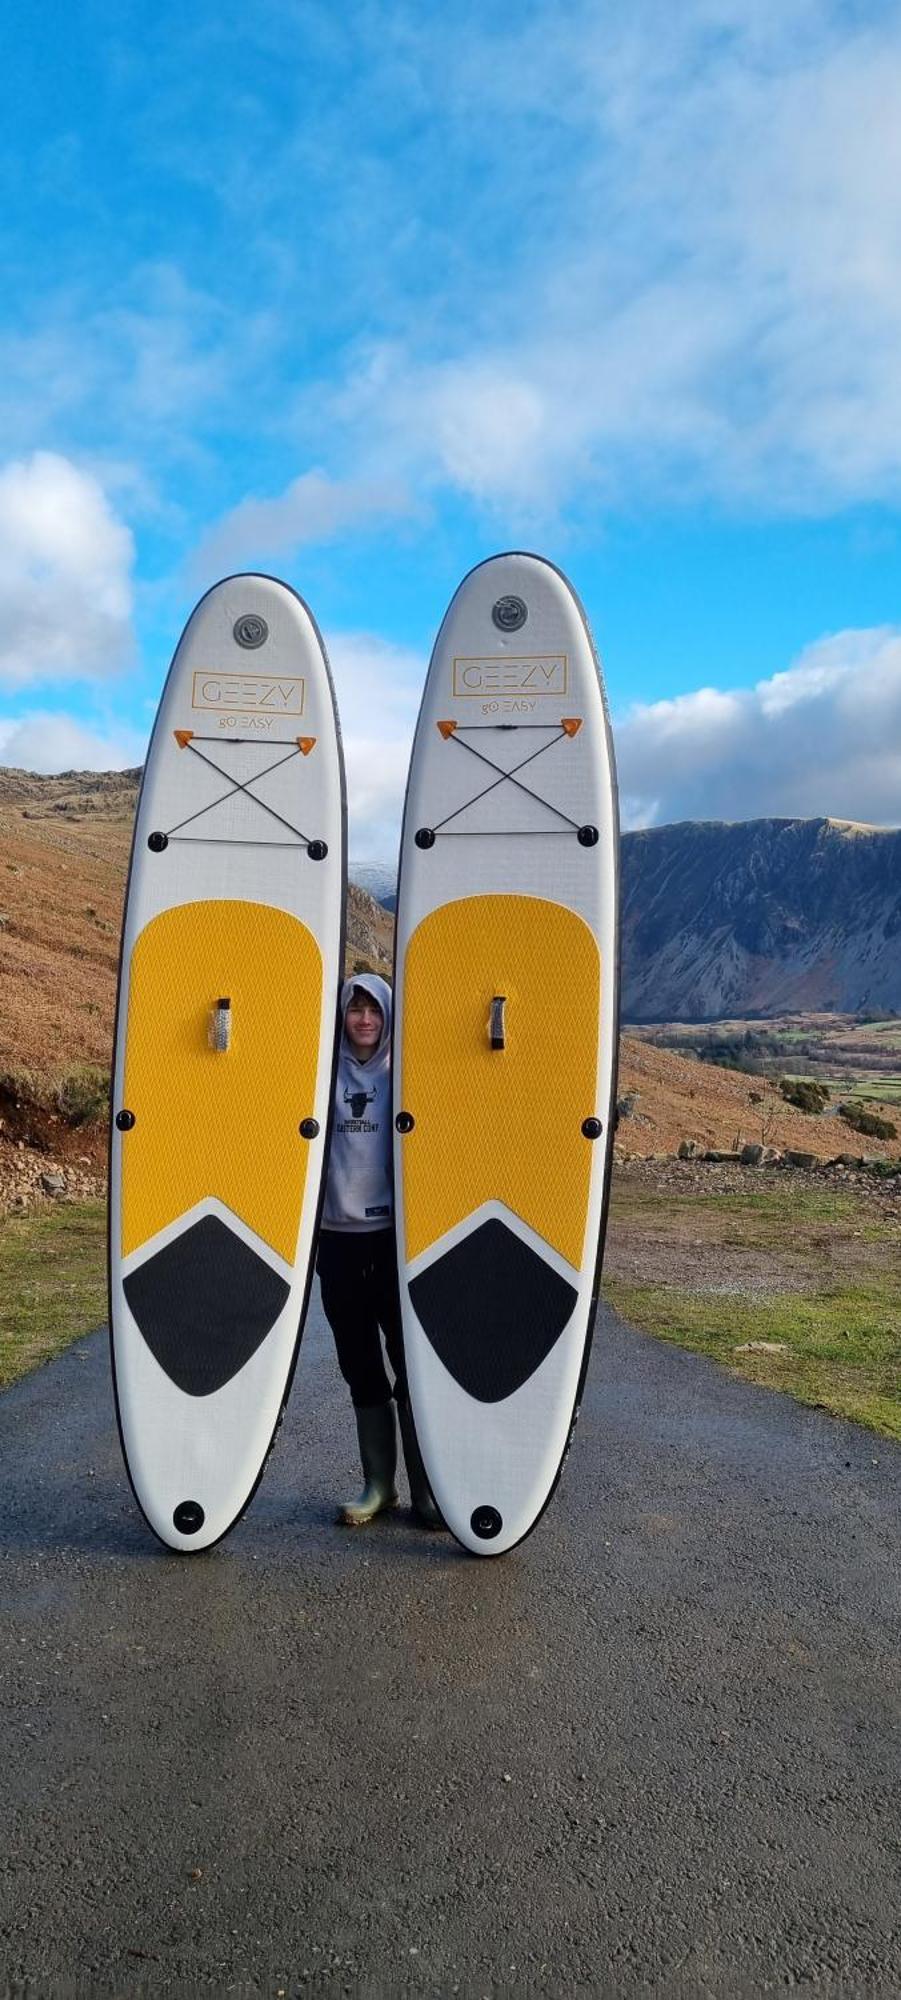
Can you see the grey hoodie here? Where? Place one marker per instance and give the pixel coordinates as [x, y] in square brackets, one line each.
[358, 1192]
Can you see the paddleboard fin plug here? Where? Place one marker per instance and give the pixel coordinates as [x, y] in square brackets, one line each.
[497, 1030]
[486, 1522]
[222, 1026]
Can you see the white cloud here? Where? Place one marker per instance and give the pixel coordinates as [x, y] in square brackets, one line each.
[378, 687]
[314, 508]
[630, 251]
[822, 738]
[141, 372]
[65, 575]
[43, 741]
[710, 298]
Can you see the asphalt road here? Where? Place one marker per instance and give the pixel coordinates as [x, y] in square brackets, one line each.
[657, 1748]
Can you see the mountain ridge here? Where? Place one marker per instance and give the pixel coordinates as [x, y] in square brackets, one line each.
[64, 846]
[721, 918]
[760, 917]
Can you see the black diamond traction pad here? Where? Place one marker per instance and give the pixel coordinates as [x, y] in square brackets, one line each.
[492, 1309]
[204, 1304]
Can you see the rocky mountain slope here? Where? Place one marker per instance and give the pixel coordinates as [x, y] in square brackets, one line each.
[760, 917]
[64, 845]
[718, 920]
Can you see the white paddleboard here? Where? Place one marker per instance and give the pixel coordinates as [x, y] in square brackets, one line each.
[232, 953]
[506, 1031]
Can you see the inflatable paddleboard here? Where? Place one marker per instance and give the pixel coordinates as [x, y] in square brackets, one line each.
[506, 1030]
[232, 951]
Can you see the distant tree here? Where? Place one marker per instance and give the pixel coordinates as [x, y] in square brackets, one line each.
[804, 1094]
[867, 1122]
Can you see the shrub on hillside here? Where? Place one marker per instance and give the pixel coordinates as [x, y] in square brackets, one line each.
[83, 1096]
[867, 1122]
[804, 1094]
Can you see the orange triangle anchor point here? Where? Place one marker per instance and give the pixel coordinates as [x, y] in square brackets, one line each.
[183, 737]
[447, 729]
[571, 723]
[306, 744]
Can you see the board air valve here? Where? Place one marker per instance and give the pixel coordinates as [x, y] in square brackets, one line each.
[497, 1029]
[509, 614]
[222, 1026]
[250, 631]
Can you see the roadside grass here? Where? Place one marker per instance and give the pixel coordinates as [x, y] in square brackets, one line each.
[758, 1216]
[842, 1338]
[52, 1283]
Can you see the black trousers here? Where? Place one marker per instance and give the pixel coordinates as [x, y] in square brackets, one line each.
[361, 1301]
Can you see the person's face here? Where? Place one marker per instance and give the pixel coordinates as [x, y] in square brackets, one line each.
[363, 1023]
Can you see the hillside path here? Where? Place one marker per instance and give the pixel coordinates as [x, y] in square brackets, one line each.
[657, 1749]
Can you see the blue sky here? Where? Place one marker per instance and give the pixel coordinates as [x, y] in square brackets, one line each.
[360, 296]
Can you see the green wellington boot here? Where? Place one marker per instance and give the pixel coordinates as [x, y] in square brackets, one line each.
[421, 1494]
[378, 1453]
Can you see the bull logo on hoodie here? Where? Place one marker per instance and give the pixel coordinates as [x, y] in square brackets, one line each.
[358, 1100]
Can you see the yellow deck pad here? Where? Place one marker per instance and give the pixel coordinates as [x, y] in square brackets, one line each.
[220, 1123]
[500, 1125]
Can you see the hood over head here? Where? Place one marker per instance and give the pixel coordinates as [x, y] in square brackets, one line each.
[380, 991]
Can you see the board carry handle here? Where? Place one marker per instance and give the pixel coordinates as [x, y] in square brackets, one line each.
[497, 1030]
[222, 1026]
